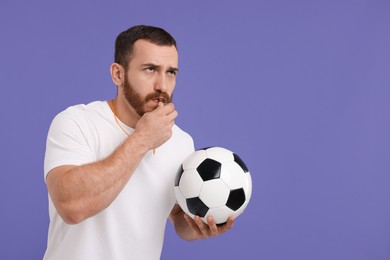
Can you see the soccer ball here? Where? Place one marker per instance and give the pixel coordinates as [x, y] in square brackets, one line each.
[213, 182]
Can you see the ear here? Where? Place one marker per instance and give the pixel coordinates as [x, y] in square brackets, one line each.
[117, 74]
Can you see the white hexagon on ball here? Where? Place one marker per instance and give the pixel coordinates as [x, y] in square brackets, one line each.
[219, 154]
[233, 175]
[220, 215]
[193, 160]
[190, 184]
[214, 193]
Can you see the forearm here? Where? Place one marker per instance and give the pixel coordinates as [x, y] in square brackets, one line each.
[83, 191]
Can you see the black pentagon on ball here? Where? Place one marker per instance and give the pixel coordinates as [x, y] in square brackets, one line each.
[178, 175]
[197, 207]
[209, 169]
[236, 199]
[240, 162]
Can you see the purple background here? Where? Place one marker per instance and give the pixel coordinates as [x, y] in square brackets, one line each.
[299, 89]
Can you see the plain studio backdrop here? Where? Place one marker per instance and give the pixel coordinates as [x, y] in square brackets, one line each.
[299, 89]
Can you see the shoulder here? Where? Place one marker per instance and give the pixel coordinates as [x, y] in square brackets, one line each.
[82, 112]
[180, 133]
[79, 119]
[182, 140]
[96, 107]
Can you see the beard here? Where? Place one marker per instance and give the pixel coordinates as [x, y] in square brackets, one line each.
[137, 102]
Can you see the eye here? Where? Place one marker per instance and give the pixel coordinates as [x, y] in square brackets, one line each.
[150, 69]
[172, 72]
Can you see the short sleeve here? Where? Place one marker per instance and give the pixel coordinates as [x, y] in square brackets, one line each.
[66, 143]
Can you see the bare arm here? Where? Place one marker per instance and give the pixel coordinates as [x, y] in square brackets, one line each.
[79, 192]
[190, 229]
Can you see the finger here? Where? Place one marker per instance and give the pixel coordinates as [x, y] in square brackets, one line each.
[160, 108]
[230, 221]
[167, 108]
[213, 226]
[228, 225]
[192, 224]
[173, 115]
[201, 225]
[168, 111]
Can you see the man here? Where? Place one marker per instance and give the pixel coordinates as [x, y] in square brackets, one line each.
[110, 166]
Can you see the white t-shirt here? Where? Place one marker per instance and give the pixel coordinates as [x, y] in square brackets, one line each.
[133, 226]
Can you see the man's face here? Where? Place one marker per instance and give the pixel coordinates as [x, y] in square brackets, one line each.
[151, 76]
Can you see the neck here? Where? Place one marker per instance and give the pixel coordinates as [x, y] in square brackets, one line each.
[124, 112]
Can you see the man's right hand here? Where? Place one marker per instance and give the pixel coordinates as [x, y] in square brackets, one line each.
[155, 128]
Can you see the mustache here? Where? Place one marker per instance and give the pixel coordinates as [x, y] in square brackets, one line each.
[161, 96]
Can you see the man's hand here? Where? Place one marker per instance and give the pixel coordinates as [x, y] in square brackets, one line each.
[193, 229]
[203, 230]
[155, 127]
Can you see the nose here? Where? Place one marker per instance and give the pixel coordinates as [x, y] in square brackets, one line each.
[161, 83]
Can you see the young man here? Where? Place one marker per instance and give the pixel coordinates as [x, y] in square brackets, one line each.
[110, 166]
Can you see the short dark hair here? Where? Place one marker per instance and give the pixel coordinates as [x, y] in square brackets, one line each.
[126, 39]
